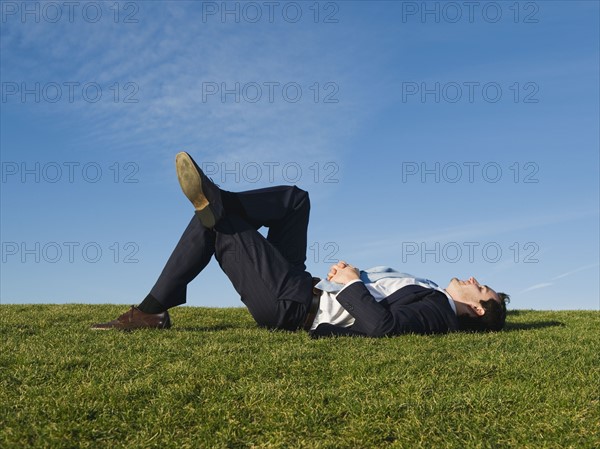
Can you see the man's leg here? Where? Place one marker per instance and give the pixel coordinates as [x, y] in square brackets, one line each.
[283, 209]
[192, 253]
[269, 274]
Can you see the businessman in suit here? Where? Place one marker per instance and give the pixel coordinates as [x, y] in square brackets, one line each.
[270, 273]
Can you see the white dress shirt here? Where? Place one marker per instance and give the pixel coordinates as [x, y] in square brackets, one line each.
[331, 311]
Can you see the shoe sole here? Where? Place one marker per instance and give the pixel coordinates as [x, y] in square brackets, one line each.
[105, 329]
[190, 181]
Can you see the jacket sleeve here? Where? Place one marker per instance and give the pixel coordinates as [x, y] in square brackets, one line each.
[371, 318]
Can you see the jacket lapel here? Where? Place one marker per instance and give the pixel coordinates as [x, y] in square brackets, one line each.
[408, 295]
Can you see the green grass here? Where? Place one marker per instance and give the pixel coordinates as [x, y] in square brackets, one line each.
[217, 381]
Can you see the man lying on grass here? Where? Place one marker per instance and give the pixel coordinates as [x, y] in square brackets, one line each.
[271, 277]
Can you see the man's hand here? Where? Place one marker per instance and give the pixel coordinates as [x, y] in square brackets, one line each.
[342, 273]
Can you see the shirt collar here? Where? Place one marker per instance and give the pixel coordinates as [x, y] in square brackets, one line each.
[450, 300]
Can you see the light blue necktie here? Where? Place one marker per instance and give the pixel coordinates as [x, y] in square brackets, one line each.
[371, 275]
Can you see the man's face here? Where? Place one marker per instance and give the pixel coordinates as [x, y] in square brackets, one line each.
[471, 291]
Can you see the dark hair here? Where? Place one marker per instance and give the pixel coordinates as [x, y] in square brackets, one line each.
[492, 320]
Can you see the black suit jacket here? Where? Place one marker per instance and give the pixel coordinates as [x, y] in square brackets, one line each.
[411, 309]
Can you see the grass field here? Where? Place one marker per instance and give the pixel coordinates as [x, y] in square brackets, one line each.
[216, 381]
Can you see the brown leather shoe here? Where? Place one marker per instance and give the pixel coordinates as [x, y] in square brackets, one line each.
[204, 194]
[134, 318]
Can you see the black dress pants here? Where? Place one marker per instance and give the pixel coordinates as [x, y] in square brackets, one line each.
[269, 274]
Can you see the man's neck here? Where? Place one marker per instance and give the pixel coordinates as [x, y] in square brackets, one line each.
[451, 301]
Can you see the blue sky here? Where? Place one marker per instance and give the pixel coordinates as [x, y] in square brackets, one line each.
[457, 144]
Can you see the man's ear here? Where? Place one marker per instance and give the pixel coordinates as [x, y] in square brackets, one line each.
[477, 309]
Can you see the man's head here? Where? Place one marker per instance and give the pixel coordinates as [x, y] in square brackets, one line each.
[479, 308]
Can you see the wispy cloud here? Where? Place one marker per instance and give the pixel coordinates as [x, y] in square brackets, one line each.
[476, 231]
[537, 286]
[560, 276]
[576, 270]
[170, 55]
